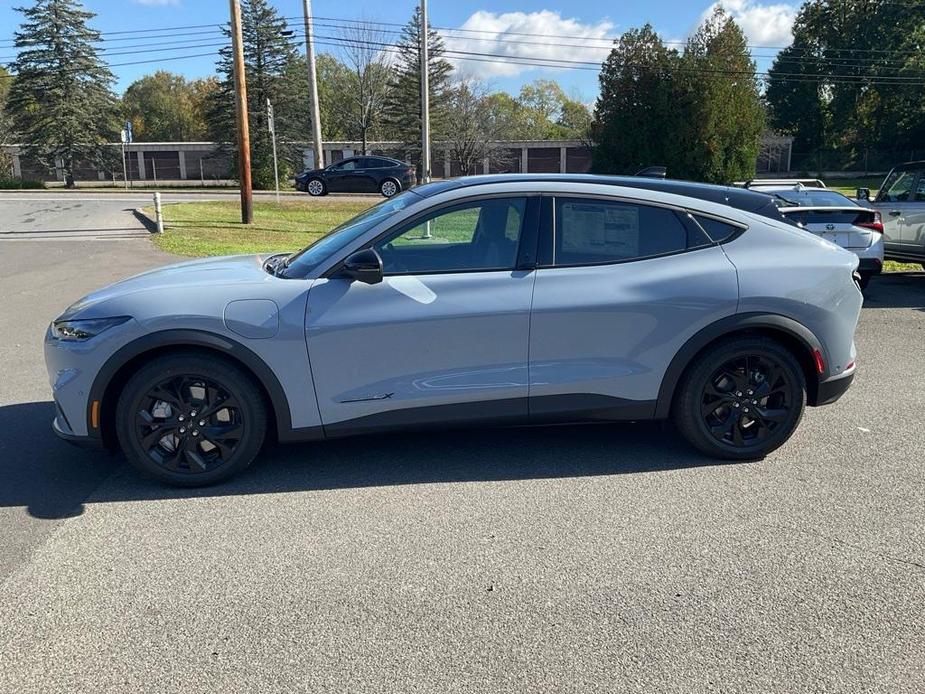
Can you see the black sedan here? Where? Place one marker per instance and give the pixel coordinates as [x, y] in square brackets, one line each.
[358, 175]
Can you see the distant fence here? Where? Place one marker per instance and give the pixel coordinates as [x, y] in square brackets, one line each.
[862, 161]
[205, 162]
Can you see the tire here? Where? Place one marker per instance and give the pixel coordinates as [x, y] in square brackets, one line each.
[732, 375]
[180, 396]
[315, 187]
[865, 280]
[389, 188]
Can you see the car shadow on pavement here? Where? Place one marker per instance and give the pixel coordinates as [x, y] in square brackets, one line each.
[896, 290]
[52, 479]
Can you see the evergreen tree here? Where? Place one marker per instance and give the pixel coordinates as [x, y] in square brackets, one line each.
[724, 116]
[402, 108]
[636, 117]
[61, 101]
[269, 59]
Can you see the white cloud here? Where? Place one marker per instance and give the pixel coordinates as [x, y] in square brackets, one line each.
[763, 25]
[505, 34]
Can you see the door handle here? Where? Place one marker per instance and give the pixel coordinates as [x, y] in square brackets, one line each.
[895, 213]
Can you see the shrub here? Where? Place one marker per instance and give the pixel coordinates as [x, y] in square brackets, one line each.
[20, 184]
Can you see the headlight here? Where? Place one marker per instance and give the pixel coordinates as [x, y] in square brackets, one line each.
[80, 330]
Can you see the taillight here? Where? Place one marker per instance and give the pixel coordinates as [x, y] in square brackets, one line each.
[820, 362]
[876, 225]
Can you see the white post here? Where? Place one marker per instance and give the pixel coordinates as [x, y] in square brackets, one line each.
[563, 159]
[141, 166]
[181, 157]
[154, 168]
[524, 159]
[425, 96]
[158, 215]
[271, 126]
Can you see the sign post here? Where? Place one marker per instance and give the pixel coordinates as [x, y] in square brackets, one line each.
[271, 125]
[126, 140]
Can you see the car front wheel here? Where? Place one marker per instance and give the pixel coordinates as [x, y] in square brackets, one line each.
[743, 398]
[388, 188]
[190, 420]
[315, 187]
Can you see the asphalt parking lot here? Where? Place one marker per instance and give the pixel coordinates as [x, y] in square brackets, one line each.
[566, 559]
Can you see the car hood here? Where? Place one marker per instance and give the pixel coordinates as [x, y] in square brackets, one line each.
[195, 275]
[313, 172]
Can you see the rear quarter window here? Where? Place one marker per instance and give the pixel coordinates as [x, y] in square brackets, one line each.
[717, 231]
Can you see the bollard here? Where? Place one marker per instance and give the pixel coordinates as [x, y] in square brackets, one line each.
[159, 217]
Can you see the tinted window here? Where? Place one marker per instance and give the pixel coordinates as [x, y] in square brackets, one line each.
[377, 163]
[348, 165]
[596, 231]
[481, 235]
[813, 198]
[717, 230]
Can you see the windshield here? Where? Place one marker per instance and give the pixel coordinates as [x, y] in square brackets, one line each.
[311, 256]
[813, 198]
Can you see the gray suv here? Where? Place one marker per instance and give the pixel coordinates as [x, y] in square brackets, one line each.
[484, 300]
[901, 202]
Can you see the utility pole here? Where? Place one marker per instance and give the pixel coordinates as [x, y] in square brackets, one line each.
[313, 84]
[425, 96]
[240, 102]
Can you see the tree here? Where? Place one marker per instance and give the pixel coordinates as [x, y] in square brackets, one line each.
[850, 82]
[402, 108]
[165, 107]
[636, 115]
[61, 101]
[269, 59]
[474, 129]
[6, 125]
[367, 86]
[725, 118]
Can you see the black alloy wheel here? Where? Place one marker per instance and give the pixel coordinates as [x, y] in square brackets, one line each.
[189, 424]
[746, 399]
[742, 398]
[190, 419]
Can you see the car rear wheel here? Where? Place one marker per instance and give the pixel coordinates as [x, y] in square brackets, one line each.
[190, 420]
[388, 188]
[315, 187]
[743, 398]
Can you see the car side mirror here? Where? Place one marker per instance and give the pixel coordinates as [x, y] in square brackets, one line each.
[363, 266]
[863, 194]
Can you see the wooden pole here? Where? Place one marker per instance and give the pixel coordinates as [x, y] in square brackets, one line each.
[240, 102]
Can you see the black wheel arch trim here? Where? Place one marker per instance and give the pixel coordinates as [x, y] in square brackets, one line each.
[727, 326]
[192, 338]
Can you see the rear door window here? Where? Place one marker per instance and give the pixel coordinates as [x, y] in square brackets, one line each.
[593, 232]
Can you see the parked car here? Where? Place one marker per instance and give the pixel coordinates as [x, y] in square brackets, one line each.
[836, 218]
[358, 175]
[901, 202]
[484, 300]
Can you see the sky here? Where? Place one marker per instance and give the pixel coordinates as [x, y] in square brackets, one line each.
[591, 22]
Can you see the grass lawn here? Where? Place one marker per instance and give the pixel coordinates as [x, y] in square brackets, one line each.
[214, 228]
[849, 186]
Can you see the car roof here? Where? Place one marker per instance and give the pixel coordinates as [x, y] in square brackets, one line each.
[740, 198]
[910, 165]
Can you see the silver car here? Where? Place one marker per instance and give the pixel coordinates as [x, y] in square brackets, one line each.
[486, 300]
[901, 202]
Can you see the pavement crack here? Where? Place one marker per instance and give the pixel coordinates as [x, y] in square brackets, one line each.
[859, 548]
